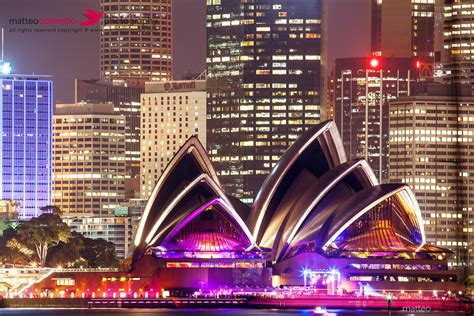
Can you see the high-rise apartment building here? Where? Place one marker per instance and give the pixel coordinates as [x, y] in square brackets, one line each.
[136, 40]
[26, 108]
[363, 88]
[263, 68]
[126, 101]
[431, 141]
[88, 159]
[116, 229]
[405, 28]
[171, 112]
[459, 41]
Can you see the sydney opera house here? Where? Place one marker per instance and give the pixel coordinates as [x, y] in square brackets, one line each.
[319, 219]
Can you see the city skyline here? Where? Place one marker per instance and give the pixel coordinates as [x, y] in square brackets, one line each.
[254, 152]
[80, 52]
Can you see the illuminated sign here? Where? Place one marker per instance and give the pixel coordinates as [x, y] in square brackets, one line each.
[180, 85]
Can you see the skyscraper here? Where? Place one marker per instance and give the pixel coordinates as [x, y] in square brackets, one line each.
[126, 101]
[363, 88]
[459, 41]
[26, 105]
[431, 139]
[263, 67]
[89, 159]
[405, 28]
[171, 113]
[135, 40]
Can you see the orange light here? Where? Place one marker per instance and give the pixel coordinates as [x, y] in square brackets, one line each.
[374, 63]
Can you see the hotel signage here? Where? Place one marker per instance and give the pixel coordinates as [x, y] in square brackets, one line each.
[180, 85]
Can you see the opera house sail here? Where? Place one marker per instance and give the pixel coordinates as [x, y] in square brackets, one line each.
[316, 209]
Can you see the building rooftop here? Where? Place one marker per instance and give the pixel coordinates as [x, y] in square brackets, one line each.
[84, 109]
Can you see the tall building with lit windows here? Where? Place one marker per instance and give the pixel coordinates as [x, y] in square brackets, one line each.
[88, 159]
[263, 67]
[363, 88]
[405, 28]
[126, 101]
[459, 41]
[26, 108]
[431, 141]
[136, 40]
[171, 112]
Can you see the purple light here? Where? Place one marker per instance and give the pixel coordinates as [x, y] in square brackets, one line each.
[211, 242]
[188, 219]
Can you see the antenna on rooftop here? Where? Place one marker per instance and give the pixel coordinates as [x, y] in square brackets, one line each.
[3, 43]
[202, 75]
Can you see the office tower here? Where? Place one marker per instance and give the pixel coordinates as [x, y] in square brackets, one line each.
[26, 104]
[126, 101]
[114, 228]
[263, 67]
[330, 95]
[171, 112]
[88, 159]
[431, 141]
[458, 41]
[135, 40]
[363, 88]
[405, 28]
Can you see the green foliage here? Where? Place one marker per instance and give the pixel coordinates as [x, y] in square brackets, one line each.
[67, 254]
[99, 253]
[48, 241]
[43, 232]
[469, 282]
[8, 254]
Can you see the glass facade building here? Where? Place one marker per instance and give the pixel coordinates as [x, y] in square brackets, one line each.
[25, 144]
[459, 41]
[363, 88]
[263, 67]
[405, 29]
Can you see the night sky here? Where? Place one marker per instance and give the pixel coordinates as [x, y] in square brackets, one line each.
[67, 56]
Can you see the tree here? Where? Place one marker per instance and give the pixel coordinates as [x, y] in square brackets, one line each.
[11, 251]
[99, 253]
[42, 233]
[67, 254]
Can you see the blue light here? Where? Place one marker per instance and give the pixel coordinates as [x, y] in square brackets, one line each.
[6, 68]
[305, 272]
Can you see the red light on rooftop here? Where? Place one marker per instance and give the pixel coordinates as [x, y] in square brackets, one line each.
[418, 64]
[374, 63]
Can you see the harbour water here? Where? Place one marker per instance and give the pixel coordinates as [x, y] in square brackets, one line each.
[200, 312]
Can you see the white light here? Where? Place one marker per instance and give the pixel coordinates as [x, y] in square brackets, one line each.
[6, 69]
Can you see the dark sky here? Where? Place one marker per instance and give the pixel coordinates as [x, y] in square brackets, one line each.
[67, 56]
